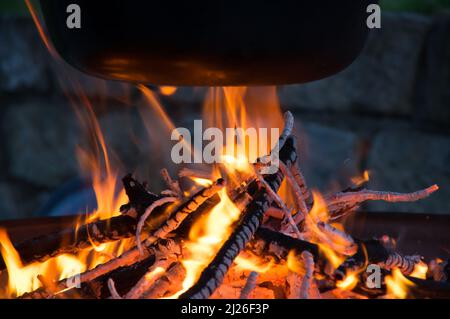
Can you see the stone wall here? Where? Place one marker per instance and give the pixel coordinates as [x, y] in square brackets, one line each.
[388, 112]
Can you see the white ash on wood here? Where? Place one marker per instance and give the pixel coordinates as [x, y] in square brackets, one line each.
[341, 203]
[249, 285]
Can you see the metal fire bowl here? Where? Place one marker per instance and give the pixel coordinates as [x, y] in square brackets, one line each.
[210, 43]
[427, 235]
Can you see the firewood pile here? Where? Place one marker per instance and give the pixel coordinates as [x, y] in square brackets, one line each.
[273, 249]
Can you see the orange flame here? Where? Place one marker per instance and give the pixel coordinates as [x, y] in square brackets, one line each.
[206, 237]
[398, 285]
[349, 282]
[330, 247]
[22, 279]
[253, 263]
[201, 181]
[359, 180]
[294, 264]
[167, 90]
[334, 259]
[420, 270]
[104, 181]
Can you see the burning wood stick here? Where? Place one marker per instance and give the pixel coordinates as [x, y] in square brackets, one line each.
[72, 240]
[148, 211]
[180, 214]
[188, 172]
[153, 274]
[139, 197]
[287, 130]
[174, 186]
[277, 199]
[337, 212]
[288, 161]
[249, 285]
[124, 278]
[301, 181]
[164, 258]
[307, 282]
[171, 280]
[374, 252]
[301, 276]
[285, 134]
[369, 252]
[269, 242]
[346, 201]
[298, 194]
[364, 195]
[406, 264]
[213, 275]
[339, 240]
[275, 212]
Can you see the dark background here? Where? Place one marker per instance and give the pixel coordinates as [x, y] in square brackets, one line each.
[389, 112]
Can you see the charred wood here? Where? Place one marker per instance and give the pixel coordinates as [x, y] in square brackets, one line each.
[273, 243]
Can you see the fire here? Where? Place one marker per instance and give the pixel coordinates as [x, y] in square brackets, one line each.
[348, 283]
[328, 247]
[156, 272]
[242, 108]
[206, 237]
[225, 108]
[239, 163]
[22, 279]
[420, 271]
[245, 110]
[294, 264]
[334, 259]
[167, 90]
[202, 181]
[397, 285]
[359, 180]
[319, 213]
[96, 161]
[253, 263]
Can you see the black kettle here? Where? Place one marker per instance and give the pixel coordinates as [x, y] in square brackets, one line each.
[209, 42]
